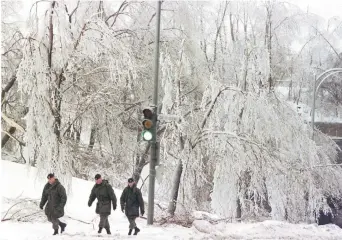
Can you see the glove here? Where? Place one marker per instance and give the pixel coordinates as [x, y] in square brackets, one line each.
[41, 207]
[89, 205]
[122, 209]
[114, 207]
[142, 212]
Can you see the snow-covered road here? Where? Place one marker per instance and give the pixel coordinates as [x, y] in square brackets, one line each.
[19, 184]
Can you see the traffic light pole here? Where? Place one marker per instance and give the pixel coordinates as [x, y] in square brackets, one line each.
[154, 155]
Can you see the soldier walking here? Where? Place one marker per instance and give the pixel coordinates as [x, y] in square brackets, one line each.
[56, 198]
[104, 193]
[130, 200]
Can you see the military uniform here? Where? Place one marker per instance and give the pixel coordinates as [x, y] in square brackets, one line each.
[105, 196]
[130, 200]
[55, 196]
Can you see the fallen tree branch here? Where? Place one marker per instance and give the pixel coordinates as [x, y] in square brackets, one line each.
[6, 219]
[162, 208]
[75, 219]
[24, 200]
[29, 215]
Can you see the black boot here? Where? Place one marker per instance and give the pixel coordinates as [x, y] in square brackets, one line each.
[55, 232]
[136, 230]
[63, 226]
[100, 230]
[108, 231]
[130, 231]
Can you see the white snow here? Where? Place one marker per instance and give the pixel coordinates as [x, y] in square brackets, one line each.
[20, 182]
[269, 230]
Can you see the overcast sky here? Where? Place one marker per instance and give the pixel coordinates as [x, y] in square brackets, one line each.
[324, 8]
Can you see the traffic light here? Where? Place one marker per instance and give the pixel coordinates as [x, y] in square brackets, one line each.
[147, 134]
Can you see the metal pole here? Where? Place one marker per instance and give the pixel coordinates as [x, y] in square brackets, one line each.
[327, 71]
[315, 90]
[327, 76]
[154, 156]
[313, 110]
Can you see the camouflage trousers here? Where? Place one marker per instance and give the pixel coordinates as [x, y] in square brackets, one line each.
[131, 221]
[104, 223]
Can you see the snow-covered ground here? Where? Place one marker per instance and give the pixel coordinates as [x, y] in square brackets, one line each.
[19, 184]
[19, 181]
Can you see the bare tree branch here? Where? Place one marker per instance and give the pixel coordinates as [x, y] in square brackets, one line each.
[332, 47]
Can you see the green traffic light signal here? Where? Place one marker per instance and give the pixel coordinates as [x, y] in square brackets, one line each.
[147, 135]
[147, 124]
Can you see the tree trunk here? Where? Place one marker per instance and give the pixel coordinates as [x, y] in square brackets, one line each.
[78, 136]
[175, 188]
[92, 138]
[141, 161]
[231, 27]
[268, 42]
[176, 180]
[265, 202]
[238, 210]
[246, 55]
[56, 98]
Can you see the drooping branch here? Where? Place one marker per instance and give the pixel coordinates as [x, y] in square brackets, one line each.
[326, 40]
[8, 86]
[212, 105]
[209, 111]
[7, 136]
[14, 138]
[12, 122]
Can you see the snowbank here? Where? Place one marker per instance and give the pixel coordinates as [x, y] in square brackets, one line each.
[20, 182]
[268, 230]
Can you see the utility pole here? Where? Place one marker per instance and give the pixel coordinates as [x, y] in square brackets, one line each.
[154, 145]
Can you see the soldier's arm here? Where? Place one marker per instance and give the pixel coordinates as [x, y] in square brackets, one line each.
[44, 196]
[92, 197]
[112, 195]
[62, 195]
[141, 201]
[123, 198]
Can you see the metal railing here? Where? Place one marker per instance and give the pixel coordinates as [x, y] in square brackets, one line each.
[325, 75]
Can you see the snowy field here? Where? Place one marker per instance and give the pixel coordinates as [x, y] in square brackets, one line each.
[19, 185]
